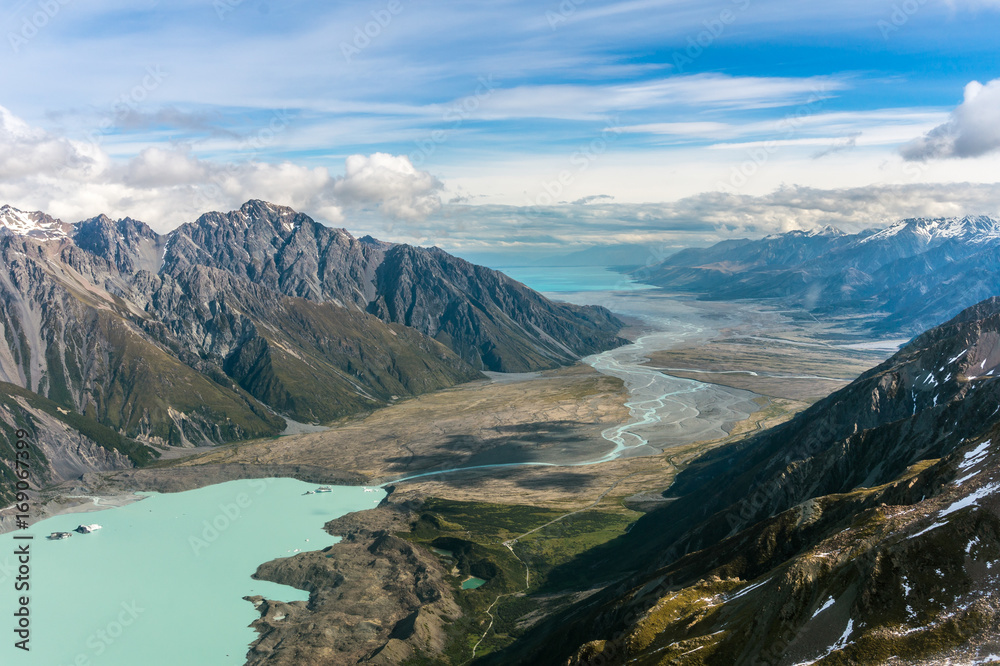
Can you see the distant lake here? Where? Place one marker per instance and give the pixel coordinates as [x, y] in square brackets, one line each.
[163, 582]
[556, 279]
[472, 583]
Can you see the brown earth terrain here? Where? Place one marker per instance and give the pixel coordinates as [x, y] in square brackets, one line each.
[382, 595]
[801, 371]
[556, 415]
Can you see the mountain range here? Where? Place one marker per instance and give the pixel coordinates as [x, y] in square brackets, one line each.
[903, 279]
[865, 530]
[119, 340]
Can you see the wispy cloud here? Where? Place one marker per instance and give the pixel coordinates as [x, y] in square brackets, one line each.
[194, 141]
[892, 125]
[171, 118]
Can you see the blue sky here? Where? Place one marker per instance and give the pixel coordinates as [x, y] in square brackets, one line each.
[519, 125]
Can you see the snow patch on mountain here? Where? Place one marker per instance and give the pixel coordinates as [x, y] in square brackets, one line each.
[34, 224]
[974, 229]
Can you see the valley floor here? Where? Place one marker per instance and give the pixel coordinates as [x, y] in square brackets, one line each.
[512, 526]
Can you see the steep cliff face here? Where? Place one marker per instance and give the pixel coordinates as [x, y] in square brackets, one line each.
[867, 527]
[275, 247]
[128, 244]
[71, 338]
[312, 361]
[489, 320]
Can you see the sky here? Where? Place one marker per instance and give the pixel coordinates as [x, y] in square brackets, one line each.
[519, 127]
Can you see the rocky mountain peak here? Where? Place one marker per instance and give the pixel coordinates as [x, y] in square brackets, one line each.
[256, 223]
[371, 240]
[35, 224]
[259, 214]
[126, 226]
[974, 228]
[129, 244]
[918, 271]
[824, 231]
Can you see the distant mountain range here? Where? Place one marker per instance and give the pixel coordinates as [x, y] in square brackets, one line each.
[865, 530]
[914, 274]
[119, 339]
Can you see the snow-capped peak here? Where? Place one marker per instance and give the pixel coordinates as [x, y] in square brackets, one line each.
[827, 230]
[973, 229]
[816, 232]
[34, 224]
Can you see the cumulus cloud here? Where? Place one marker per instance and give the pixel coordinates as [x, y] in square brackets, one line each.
[29, 151]
[972, 130]
[168, 185]
[390, 183]
[154, 167]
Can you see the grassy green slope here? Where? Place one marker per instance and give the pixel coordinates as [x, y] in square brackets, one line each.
[319, 362]
[147, 392]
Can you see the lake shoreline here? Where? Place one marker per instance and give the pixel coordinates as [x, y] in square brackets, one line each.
[205, 538]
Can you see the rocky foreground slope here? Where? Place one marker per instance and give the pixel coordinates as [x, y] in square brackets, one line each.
[228, 326]
[865, 530]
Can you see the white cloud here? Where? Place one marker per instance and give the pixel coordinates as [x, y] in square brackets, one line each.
[713, 91]
[391, 183]
[168, 185]
[156, 166]
[881, 126]
[972, 130]
[29, 151]
[692, 221]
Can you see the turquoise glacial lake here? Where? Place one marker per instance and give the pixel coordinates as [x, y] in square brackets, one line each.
[563, 279]
[163, 582]
[472, 583]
